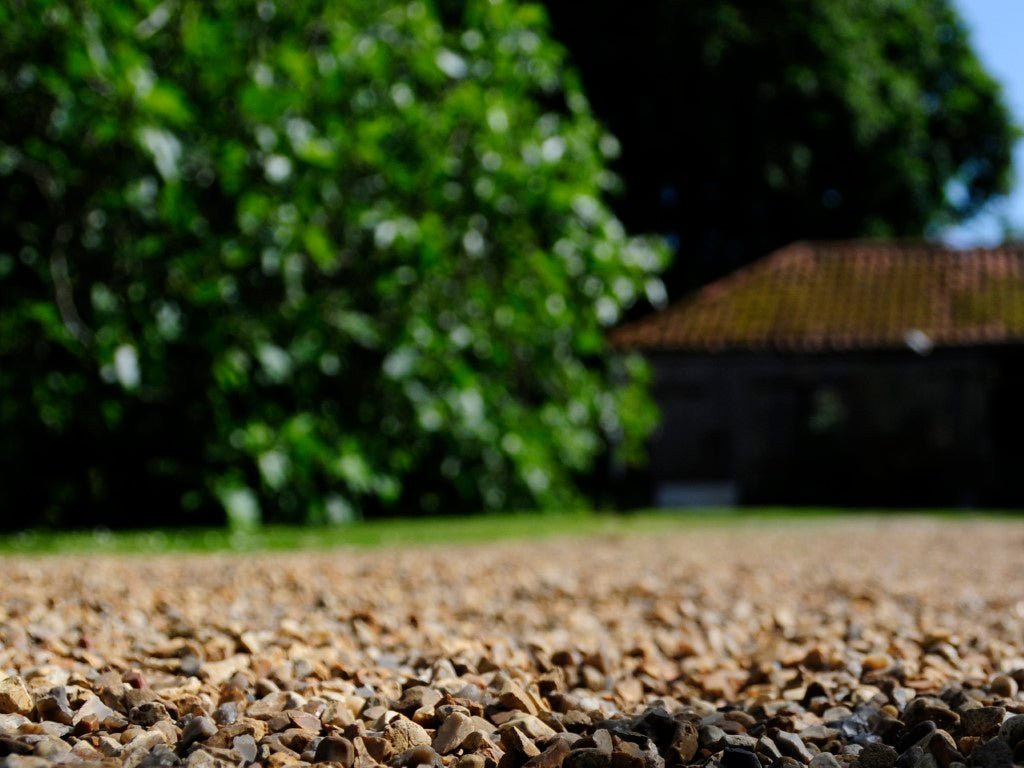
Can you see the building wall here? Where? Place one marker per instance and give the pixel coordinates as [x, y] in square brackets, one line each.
[882, 429]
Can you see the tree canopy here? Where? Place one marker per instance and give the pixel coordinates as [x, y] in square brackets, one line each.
[303, 260]
[748, 125]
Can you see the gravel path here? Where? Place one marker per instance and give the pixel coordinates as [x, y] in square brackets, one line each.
[896, 644]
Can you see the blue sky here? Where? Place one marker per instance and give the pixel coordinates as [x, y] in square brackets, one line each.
[997, 28]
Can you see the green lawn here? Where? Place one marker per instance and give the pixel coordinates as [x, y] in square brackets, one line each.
[436, 530]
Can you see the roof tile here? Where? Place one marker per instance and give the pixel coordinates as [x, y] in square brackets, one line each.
[847, 295]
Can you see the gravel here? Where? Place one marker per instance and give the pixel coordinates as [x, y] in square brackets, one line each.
[863, 644]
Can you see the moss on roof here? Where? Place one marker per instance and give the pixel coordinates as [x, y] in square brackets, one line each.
[847, 295]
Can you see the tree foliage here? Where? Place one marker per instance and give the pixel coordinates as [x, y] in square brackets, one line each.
[748, 125]
[304, 260]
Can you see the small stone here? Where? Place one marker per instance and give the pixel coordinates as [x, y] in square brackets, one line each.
[148, 714]
[82, 750]
[471, 760]
[910, 757]
[478, 741]
[418, 756]
[14, 697]
[335, 749]
[552, 757]
[244, 726]
[602, 739]
[197, 729]
[245, 747]
[588, 757]
[683, 747]
[929, 708]
[915, 735]
[1012, 731]
[160, 756]
[49, 747]
[981, 721]
[628, 755]
[824, 760]
[1004, 685]
[95, 715]
[54, 706]
[404, 734]
[379, 748]
[734, 757]
[109, 746]
[592, 678]
[452, 732]
[11, 723]
[515, 742]
[742, 741]
[630, 690]
[200, 758]
[877, 755]
[305, 720]
[135, 679]
[791, 745]
[712, 738]
[145, 741]
[512, 696]
[190, 666]
[274, 703]
[531, 725]
[968, 743]
[766, 747]
[11, 746]
[818, 734]
[417, 697]
[943, 748]
[226, 713]
[994, 753]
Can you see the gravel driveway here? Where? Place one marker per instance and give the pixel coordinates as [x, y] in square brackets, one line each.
[875, 643]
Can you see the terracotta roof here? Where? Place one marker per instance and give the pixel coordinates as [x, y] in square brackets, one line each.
[818, 297]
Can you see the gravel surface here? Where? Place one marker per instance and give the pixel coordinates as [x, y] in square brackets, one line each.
[896, 644]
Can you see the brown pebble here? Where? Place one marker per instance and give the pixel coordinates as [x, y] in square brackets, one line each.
[335, 749]
[1005, 686]
[14, 698]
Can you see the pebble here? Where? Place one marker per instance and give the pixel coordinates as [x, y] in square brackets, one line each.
[515, 742]
[552, 757]
[734, 757]
[245, 747]
[994, 753]
[930, 708]
[1005, 686]
[791, 745]
[824, 760]
[512, 696]
[14, 697]
[915, 734]
[53, 706]
[452, 732]
[418, 756]
[981, 721]
[588, 757]
[404, 734]
[336, 749]
[1012, 730]
[196, 729]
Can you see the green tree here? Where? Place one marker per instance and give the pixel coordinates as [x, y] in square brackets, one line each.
[747, 125]
[305, 259]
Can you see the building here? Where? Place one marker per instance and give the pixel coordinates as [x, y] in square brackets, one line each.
[847, 373]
